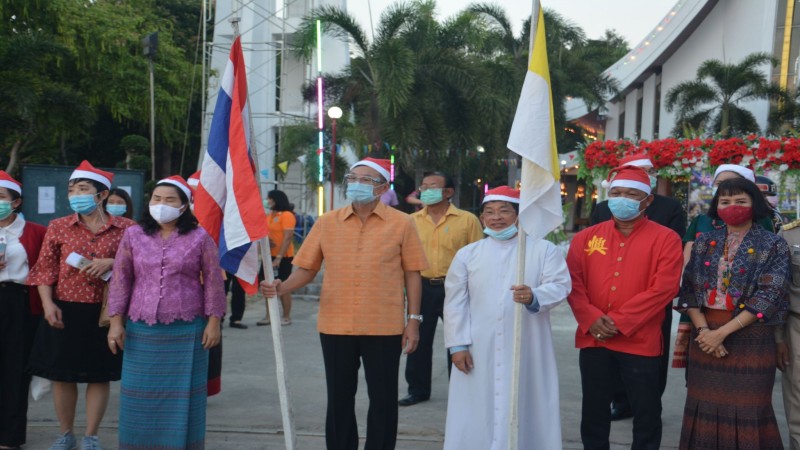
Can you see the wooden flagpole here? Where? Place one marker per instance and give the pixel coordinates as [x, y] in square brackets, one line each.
[287, 415]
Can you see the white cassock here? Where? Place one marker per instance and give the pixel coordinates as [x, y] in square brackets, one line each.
[479, 312]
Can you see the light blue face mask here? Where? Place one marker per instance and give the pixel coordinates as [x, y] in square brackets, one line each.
[83, 204]
[624, 209]
[714, 190]
[502, 235]
[653, 182]
[5, 209]
[431, 196]
[117, 210]
[360, 193]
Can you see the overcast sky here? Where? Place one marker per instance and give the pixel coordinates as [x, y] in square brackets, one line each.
[633, 19]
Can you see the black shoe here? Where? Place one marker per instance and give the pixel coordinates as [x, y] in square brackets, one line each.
[620, 412]
[411, 399]
[238, 325]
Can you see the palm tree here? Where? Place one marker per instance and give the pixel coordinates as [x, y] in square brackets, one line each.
[576, 63]
[713, 100]
[416, 85]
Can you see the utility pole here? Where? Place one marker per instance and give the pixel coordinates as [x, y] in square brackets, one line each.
[150, 46]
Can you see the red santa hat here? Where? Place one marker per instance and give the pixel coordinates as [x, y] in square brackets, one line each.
[383, 166]
[503, 194]
[629, 177]
[194, 180]
[180, 183]
[744, 172]
[9, 183]
[637, 159]
[88, 171]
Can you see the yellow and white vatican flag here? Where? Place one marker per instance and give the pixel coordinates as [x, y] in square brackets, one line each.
[533, 138]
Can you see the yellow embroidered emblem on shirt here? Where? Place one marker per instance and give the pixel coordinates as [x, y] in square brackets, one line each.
[596, 244]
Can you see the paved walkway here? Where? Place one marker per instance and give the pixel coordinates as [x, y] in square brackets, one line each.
[246, 415]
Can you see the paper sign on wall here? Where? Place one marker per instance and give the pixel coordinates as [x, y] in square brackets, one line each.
[47, 200]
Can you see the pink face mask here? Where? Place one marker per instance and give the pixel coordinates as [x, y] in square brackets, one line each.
[773, 200]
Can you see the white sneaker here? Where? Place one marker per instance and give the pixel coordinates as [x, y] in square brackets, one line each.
[90, 443]
[65, 442]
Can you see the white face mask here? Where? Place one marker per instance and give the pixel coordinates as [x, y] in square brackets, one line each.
[164, 213]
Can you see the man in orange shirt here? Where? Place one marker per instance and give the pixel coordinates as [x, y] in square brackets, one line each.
[371, 253]
[624, 272]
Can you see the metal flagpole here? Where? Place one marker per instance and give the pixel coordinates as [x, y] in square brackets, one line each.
[513, 423]
[274, 308]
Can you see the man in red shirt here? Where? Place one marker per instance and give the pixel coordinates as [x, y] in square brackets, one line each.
[624, 272]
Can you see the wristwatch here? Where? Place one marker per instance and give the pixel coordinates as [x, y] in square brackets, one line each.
[415, 317]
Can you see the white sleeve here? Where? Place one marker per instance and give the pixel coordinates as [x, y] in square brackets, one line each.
[456, 303]
[554, 283]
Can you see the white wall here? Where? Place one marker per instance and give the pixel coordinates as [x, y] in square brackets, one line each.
[648, 103]
[732, 30]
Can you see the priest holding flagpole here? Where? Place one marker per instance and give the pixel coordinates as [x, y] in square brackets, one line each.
[481, 301]
[532, 137]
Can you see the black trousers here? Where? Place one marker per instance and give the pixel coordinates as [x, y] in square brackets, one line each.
[640, 374]
[16, 338]
[419, 365]
[237, 297]
[343, 356]
[620, 396]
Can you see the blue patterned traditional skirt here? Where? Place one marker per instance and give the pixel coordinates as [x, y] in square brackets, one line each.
[163, 391]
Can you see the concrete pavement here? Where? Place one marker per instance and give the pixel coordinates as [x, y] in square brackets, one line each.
[246, 415]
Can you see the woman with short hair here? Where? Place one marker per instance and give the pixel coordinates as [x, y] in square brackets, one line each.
[71, 273]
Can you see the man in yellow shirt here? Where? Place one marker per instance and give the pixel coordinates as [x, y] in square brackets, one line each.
[444, 229]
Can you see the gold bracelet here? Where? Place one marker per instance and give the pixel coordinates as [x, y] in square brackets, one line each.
[740, 322]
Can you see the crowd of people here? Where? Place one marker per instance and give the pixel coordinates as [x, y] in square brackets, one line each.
[96, 297]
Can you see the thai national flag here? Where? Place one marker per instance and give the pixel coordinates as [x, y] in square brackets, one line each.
[227, 203]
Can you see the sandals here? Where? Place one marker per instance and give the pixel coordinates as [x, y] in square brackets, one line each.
[265, 321]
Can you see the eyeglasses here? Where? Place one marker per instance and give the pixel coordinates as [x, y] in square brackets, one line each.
[352, 178]
[501, 213]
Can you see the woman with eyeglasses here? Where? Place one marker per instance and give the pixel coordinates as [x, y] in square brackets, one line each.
[165, 302]
[71, 277]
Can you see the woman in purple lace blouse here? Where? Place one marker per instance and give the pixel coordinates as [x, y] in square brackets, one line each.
[167, 283]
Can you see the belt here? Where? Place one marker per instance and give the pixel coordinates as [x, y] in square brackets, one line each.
[434, 281]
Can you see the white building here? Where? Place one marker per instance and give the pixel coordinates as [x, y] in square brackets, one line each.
[692, 32]
[275, 76]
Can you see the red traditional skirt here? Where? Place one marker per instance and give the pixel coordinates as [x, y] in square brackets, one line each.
[729, 399]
